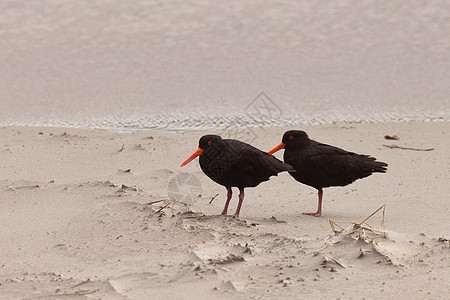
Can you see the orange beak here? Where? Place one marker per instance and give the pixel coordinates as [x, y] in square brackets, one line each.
[194, 155]
[279, 147]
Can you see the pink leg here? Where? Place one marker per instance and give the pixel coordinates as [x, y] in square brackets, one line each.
[319, 209]
[241, 199]
[225, 209]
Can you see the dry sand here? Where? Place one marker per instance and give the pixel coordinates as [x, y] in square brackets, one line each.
[76, 223]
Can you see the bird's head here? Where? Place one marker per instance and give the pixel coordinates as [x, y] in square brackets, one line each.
[205, 143]
[208, 141]
[292, 139]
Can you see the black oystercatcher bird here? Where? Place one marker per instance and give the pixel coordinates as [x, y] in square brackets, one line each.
[233, 163]
[320, 165]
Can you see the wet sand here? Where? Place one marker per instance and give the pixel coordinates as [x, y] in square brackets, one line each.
[151, 64]
[77, 219]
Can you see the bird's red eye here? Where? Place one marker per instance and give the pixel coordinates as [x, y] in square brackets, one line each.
[209, 143]
[291, 137]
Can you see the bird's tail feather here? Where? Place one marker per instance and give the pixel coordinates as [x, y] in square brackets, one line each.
[379, 166]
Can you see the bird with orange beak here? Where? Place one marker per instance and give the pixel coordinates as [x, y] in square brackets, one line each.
[320, 165]
[233, 163]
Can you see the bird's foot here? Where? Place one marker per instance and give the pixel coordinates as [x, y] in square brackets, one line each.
[225, 215]
[316, 214]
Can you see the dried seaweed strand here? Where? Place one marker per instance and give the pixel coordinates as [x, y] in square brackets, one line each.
[371, 215]
[382, 221]
[364, 228]
[407, 148]
[157, 201]
[351, 226]
[80, 293]
[317, 251]
[353, 231]
[332, 225]
[180, 202]
[162, 207]
[83, 282]
[213, 198]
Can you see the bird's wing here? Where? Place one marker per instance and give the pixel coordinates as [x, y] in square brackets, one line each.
[254, 162]
[336, 163]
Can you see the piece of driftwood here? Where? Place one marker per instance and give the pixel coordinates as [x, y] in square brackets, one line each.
[391, 137]
[407, 148]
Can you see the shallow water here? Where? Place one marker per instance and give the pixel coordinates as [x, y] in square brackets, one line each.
[182, 65]
[203, 121]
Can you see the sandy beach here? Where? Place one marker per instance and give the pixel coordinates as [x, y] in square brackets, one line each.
[81, 218]
[101, 101]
